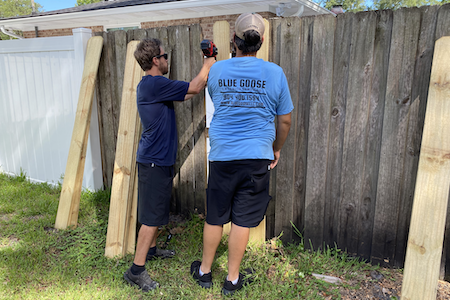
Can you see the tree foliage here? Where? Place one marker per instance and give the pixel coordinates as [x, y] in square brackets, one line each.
[14, 8]
[359, 5]
[390, 4]
[84, 2]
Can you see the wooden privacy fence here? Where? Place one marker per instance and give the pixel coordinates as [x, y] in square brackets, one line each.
[347, 172]
[348, 169]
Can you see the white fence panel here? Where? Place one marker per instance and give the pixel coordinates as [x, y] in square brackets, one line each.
[39, 86]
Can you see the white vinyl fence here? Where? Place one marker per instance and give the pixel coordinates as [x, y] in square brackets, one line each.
[40, 81]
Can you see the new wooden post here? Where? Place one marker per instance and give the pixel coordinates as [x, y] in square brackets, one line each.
[426, 234]
[222, 39]
[69, 201]
[123, 183]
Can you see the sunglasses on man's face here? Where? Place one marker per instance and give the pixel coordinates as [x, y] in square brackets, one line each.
[162, 55]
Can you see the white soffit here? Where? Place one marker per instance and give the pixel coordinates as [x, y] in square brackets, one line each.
[150, 13]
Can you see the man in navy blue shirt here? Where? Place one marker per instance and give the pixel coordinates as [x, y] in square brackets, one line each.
[157, 151]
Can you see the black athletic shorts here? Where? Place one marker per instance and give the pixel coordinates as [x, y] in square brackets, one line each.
[238, 191]
[154, 192]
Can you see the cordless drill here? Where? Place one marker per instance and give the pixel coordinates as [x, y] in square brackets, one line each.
[208, 48]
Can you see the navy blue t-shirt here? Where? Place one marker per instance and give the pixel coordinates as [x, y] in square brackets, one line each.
[159, 141]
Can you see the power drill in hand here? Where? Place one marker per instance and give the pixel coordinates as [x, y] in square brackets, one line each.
[208, 48]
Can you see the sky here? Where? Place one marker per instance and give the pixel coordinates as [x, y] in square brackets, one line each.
[56, 4]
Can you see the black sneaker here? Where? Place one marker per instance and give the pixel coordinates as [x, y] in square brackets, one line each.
[160, 253]
[143, 280]
[204, 281]
[229, 288]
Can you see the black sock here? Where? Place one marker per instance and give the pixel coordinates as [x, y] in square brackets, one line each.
[136, 270]
[152, 251]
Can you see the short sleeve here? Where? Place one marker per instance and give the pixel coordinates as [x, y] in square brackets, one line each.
[171, 90]
[285, 105]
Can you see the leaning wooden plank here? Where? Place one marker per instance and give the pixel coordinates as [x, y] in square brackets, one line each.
[221, 38]
[125, 162]
[131, 224]
[69, 200]
[426, 233]
[258, 234]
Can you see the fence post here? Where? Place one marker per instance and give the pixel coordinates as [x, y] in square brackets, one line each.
[92, 178]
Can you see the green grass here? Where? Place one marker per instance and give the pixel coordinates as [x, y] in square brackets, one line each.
[39, 262]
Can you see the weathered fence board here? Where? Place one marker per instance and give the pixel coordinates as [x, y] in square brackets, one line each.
[289, 61]
[354, 219]
[374, 129]
[319, 127]
[105, 108]
[270, 212]
[184, 167]
[393, 160]
[419, 93]
[344, 27]
[301, 109]
[199, 124]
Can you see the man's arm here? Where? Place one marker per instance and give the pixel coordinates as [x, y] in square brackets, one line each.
[283, 126]
[199, 82]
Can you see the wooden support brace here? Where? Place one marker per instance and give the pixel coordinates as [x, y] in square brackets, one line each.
[69, 200]
[120, 223]
[426, 234]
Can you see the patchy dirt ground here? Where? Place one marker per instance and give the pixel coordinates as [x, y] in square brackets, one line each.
[376, 286]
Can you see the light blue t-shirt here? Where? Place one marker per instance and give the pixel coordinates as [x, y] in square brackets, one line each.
[247, 93]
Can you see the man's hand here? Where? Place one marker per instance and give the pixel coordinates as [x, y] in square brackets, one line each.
[199, 82]
[209, 61]
[283, 126]
[276, 157]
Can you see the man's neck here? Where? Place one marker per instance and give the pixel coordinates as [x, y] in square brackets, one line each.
[154, 71]
[239, 53]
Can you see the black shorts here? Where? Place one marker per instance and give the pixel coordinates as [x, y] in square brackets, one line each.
[154, 193]
[238, 191]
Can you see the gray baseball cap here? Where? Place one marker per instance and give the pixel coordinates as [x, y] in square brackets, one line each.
[249, 21]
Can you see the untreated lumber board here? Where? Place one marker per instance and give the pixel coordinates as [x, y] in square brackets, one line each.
[221, 38]
[429, 210]
[258, 234]
[123, 185]
[69, 200]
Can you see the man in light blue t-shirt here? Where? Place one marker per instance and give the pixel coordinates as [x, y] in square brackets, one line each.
[247, 93]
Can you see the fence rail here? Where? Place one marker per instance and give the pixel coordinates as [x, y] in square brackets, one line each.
[347, 172]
